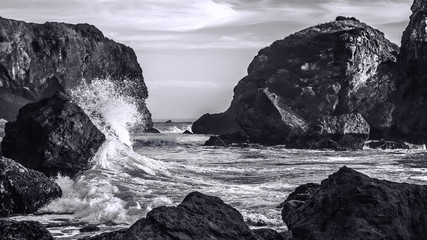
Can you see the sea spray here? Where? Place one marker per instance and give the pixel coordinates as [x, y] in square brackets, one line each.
[108, 106]
[98, 195]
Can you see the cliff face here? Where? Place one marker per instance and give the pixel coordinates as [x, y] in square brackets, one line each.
[330, 69]
[36, 60]
[411, 114]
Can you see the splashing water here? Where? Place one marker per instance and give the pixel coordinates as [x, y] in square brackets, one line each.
[108, 107]
[98, 195]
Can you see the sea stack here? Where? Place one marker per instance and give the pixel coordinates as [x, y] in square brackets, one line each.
[332, 69]
[37, 60]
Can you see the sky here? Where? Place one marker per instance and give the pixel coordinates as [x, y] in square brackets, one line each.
[194, 52]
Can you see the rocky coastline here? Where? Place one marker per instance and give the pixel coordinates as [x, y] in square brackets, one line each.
[352, 86]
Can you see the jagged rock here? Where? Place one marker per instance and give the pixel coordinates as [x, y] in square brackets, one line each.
[52, 136]
[351, 205]
[23, 190]
[344, 132]
[268, 234]
[383, 144]
[410, 116]
[24, 230]
[36, 60]
[227, 140]
[187, 132]
[330, 69]
[197, 217]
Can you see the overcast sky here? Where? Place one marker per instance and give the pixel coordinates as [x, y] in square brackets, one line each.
[194, 52]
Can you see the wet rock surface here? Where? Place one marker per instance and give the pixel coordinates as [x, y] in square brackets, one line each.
[37, 60]
[328, 70]
[351, 205]
[197, 217]
[52, 136]
[25, 230]
[226, 140]
[23, 190]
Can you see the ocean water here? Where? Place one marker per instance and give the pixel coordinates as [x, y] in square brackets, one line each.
[135, 172]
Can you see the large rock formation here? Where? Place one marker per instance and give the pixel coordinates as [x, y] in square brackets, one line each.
[336, 68]
[23, 190]
[350, 205]
[197, 217]
[411, 114]
[36, 60]
[24, 230]
[52, 136]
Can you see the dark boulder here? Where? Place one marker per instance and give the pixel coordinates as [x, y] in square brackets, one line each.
[344, 132]
[151, 130]
[89, 228]
[331, 69]
[226, 140]
[37, 60]
[351, 205]
[25, 230]
[384, 144]
[52, 136]
[23, 190]
[197, 217]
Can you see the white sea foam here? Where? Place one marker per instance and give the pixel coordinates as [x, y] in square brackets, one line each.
[108, 106]
[97, 195]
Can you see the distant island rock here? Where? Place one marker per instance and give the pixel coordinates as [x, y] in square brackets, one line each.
[336, 68]
[37, 60]
[350, 205]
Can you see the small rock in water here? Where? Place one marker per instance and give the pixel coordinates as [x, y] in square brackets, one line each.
[52, 136]
[25, 230]
[187, 132]
[226, 140]
[151, 130]
[89, 228]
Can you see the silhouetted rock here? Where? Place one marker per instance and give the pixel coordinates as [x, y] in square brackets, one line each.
[151, 130]
[37, 60]
[383, 144]
[52, 136]
[197, 217]
[351, 205]
[411, 113]
[168, 121]
[344, 132]
[227, 140]
[23, 190]
[328, 70]
[89, 228]
[187, 132]
[25, 230]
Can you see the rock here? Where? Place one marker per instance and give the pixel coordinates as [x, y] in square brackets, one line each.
[268, 234]
[227, 140]
[411, 112]
[344, 132]
[89, 228]
[24, 230]
[151, 130]
[23, 190]
[384, 144]
[331, 69]
[168, 121]
[187, 132]
[116, 235]
[197, 217]
[37, 60]
[52, 136]
[351, 205]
